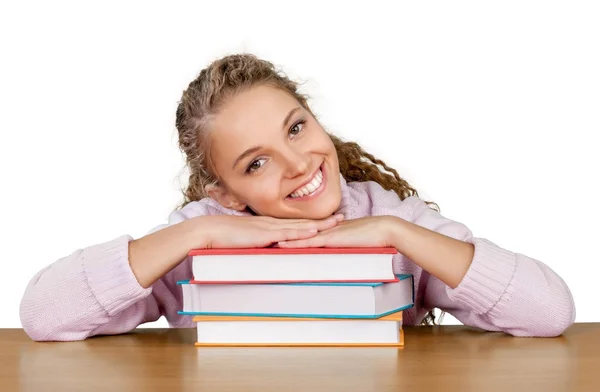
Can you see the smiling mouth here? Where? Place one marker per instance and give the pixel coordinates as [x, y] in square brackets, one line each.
[312, 188]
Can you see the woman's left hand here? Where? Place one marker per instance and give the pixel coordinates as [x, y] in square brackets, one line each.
[371, 231]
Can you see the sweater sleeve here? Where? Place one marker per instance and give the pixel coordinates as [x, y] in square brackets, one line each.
[89, 292]
[502, 290]
[93, 291]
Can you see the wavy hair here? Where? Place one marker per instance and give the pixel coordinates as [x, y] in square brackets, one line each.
[225, 77]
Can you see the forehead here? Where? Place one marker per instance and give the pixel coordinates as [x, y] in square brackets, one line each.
[257, 110]
[251, 118]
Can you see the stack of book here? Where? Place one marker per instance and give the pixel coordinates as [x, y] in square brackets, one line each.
[296, 297]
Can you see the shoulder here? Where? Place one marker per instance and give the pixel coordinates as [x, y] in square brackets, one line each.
[203, 207]
[372, 199]
[412, 209]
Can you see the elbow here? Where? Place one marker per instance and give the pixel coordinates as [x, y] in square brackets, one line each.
[544, 313]
[560, 318]
[42, 323]
[553, 326]
[39, 331]
[32, 324]
[559, 311]
[36, 331]
[552, 317]
[560, 327]
[31, 314]
[548, 326]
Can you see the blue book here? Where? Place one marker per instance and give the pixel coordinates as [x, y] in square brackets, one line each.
[301, 300]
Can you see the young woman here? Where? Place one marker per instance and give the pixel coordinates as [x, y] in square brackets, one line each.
[264, 172]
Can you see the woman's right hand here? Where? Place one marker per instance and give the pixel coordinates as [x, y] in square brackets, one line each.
[155, 254]
[228, 231]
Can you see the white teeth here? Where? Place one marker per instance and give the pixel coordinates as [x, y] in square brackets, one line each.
[315, 183]
[310, 187]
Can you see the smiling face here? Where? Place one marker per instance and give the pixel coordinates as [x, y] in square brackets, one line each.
[271, 155]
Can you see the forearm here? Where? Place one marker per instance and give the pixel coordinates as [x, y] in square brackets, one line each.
[446, 258]
[491, 287]
[155, 254]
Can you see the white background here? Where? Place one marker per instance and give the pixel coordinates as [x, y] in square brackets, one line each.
[490, 110]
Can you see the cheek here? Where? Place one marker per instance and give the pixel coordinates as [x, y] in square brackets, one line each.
[325, 143]
[262, 191]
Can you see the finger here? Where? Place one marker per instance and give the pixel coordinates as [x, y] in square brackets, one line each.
[319, 225]
[314, 242]
[322, 224]
[337, 217]
[329, 223]
[292, 234]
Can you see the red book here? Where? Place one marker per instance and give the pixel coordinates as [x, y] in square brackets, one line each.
[284, 265]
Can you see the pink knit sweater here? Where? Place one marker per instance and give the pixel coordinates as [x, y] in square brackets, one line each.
[93, 290]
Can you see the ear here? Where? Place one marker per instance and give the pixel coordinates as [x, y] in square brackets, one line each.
[224, 198]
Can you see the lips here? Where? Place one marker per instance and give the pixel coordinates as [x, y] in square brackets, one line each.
[313, 185]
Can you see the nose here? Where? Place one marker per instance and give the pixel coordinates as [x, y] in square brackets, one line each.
[297, 163]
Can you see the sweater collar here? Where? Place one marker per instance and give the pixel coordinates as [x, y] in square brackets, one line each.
[349, 204]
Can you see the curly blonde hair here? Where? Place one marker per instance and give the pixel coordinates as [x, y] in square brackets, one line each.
[225, 77]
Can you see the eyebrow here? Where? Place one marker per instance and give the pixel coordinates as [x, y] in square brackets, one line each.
[245, 154]
[256, 148]
[290, 114]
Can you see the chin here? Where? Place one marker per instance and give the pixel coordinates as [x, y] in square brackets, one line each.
[321, 208]
[321, 211]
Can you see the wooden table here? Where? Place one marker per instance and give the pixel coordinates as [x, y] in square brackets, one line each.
[441, 358]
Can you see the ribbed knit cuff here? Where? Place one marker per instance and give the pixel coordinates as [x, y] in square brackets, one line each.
[487, 279]
[110, 277]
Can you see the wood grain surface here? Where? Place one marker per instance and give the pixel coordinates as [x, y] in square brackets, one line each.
[439, 358]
